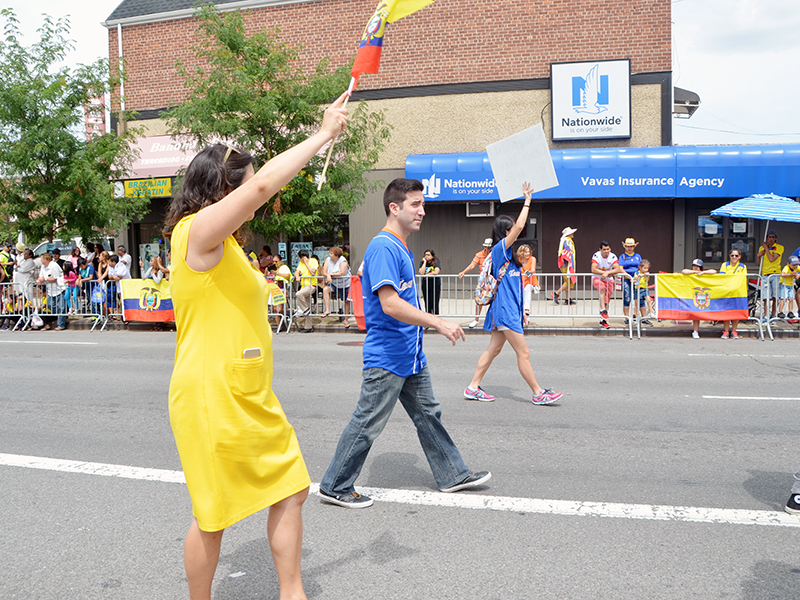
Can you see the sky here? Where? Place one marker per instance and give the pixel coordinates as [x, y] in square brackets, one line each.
[739, 56]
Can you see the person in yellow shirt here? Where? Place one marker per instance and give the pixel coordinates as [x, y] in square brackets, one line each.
[771, 252]
[789, 274]
[734, 265]
[306, 274]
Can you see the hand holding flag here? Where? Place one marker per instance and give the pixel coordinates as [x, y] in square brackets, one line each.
[368, 57]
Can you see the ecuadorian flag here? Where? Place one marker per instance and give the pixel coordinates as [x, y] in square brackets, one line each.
[368, 57]
[146, 300]
[720, 297]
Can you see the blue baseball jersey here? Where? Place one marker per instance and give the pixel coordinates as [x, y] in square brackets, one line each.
[506, 309]
[390, 344]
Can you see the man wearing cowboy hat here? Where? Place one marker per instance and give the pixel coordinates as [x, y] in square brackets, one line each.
[566, 262]
[477, 261]
[630, 260]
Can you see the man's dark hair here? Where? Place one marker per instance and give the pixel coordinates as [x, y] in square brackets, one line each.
[302, 253]
[114, 258]
[604, 243]
[397, 190]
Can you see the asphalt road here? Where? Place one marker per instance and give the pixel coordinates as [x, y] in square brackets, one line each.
[634, 437]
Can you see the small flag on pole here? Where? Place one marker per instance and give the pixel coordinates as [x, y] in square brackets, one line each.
[368, 58]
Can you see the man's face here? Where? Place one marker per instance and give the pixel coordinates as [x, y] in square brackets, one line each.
[411, 211]
[120, 252]
[605, 251]
[771, 239]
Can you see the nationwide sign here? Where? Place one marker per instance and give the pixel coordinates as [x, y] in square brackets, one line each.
[665, 172]
[591, 100]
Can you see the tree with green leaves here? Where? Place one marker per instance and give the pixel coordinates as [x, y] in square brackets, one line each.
[55, 181]
[248, 90]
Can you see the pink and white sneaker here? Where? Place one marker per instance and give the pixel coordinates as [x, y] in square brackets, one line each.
[546, 397]
[478, 394]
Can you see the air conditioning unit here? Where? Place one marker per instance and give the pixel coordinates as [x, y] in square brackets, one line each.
[480, 209]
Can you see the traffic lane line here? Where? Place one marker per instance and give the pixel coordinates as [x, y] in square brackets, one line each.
[54, 343]
[649, 512]
[747, 398]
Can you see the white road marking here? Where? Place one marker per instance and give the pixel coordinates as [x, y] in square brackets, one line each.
[648, 512]
[49, 342]
[91, 468]
[747, 398]
[723, 355]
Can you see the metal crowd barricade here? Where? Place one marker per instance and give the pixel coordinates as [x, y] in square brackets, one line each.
[456, 297]
[13, 313]
[341, 307]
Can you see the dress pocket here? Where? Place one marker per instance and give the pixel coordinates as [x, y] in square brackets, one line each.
[247, 375]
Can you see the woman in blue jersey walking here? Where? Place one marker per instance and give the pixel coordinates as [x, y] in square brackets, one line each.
[505, 318]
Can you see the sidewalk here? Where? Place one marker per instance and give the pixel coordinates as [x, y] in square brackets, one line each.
[541, 326]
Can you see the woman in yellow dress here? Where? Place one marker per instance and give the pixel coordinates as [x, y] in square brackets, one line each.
[238, 451]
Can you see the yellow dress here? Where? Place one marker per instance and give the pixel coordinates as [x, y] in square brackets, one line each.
[238, 451]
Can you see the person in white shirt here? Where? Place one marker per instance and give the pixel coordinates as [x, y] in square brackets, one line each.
[118, 271]
[125, 259]
[49, 274]
[604, 266]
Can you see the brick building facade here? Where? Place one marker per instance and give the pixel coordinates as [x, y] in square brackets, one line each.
[455, 77]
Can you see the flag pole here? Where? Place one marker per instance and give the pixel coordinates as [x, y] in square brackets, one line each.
[333, 141]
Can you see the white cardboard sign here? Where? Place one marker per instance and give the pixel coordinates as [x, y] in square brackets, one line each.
[521, 157]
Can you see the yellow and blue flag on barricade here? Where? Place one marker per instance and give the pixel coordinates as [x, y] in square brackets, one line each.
[276, 294]
[720, 297]
[146, 300]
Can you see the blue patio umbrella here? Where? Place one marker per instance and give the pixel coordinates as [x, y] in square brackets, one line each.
[768, 207]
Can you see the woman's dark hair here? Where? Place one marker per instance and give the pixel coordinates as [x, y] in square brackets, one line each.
[89, 246]
[499, 231]
[213, 174]
[433, 254]
[67, 268]
[501, 226]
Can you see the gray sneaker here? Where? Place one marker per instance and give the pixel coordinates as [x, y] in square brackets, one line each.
[471, 480]
[354, 500]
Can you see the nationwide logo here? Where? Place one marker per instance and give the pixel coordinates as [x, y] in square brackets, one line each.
[590, 94]
[433, 187]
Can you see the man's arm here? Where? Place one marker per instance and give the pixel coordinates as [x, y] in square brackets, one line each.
[399, 309]
[469, 267]
[596, 269]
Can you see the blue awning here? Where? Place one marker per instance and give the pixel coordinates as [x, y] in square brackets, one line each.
[665, 172]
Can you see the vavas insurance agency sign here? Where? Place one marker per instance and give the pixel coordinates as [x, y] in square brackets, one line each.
[591, 99]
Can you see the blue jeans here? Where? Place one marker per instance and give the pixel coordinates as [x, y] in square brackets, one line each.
[380, 390]
[58, 306]
[628, 293]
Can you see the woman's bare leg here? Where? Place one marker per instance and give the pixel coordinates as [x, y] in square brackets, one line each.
[485, 361]
[517, 342]
[200, 556]
[285, 533]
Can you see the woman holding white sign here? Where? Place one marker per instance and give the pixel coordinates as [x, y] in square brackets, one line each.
[505, 317]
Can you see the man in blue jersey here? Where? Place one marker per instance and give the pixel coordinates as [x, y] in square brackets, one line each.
[394, 363]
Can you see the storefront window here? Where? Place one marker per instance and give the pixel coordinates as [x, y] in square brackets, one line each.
[717, 236]
[710, 238]
[741, 235]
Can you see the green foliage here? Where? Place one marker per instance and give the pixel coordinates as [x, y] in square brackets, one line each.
[55, 181]
[249, 91]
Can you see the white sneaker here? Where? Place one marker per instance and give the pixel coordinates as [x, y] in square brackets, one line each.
[695, 335]
[474, 324]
